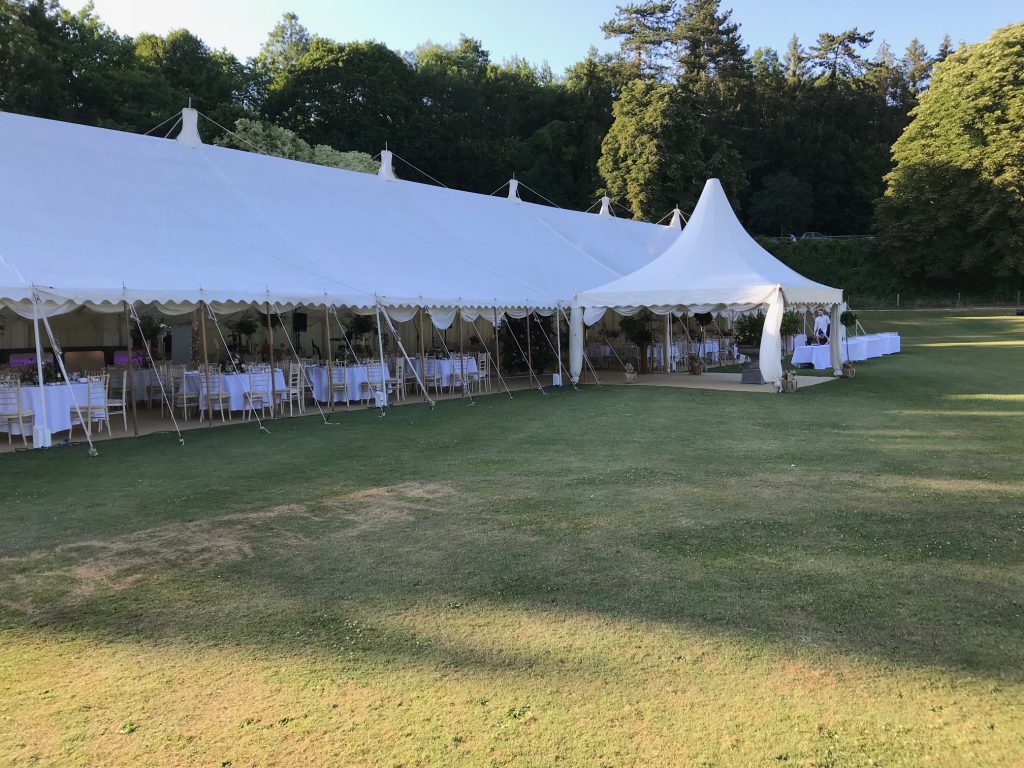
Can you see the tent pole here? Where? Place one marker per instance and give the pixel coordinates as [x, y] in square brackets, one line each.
[380, 346]
[330, 354]
[583, 373]
[497, 342]
[423, 366]
[130, 389]
[529, 349]
[667, 348]
[558, 337]
[41, 436]
[206, 364]
[462, 355]
[273, 377]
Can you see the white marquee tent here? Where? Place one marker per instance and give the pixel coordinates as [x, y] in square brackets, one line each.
[713, 265]
[95, 218]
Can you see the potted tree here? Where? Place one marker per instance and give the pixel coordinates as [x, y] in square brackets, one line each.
[849, 320]
[791, 324]
[637, 328]
[242, 329]
[748, 330]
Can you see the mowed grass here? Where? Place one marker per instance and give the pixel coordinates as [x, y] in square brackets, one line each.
[617, 577]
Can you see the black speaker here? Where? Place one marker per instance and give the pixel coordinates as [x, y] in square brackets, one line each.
[299, 322]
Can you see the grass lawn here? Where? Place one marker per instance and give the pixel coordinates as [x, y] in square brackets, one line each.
[618, 577]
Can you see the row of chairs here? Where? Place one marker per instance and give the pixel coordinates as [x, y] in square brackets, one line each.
[463, 376]
[101, 401]
[205, 388]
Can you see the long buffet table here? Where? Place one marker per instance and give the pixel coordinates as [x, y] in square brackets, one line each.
[855, 348]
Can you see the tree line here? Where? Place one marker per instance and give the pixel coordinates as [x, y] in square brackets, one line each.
[802, 139]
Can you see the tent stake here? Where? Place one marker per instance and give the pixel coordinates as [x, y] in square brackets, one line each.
[206, 363]
[130, 389]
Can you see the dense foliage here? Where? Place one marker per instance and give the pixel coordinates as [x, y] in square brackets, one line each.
[801, 138]
[954, 207]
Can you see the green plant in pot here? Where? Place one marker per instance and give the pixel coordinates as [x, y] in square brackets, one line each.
[243, 328]
[791, 324]
[637, 328]
[747, 331]
[849, 320]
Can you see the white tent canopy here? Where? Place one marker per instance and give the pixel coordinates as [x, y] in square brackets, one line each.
[93, 217]
[713, 265]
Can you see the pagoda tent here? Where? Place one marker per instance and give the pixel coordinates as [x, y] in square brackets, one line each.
[713, 265]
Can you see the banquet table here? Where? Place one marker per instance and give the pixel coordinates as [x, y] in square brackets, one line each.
[235, 384]
[877, 345]
[446, 367]
[892, 342]
[855, 348]
[355, 376]
[816, 354]
[59, 405]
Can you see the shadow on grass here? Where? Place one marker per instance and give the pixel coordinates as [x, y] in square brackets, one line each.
[299, 579]
[856, 519]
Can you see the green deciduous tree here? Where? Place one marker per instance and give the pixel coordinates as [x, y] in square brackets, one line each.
[783, 204]
[253, 135]
[655, 154]
[357, 95]
[953, 208]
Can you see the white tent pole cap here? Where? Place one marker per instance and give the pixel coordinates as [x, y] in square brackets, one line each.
[387, 169]
[677, 219]
[606, 206]
[513, 190]
[189, 133]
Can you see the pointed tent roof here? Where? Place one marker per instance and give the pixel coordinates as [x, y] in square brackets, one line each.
[713, 264]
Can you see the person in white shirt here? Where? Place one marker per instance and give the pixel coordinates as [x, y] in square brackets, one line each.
[821, 326]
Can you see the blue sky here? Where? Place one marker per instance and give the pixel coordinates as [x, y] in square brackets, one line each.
[556, 31]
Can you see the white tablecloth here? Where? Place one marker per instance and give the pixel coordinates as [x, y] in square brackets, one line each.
[855, 348]
[447, 367]
[876, 345]
[235, 384]
[892, 342]
[816, 354]
[355, 375]
[59, 405]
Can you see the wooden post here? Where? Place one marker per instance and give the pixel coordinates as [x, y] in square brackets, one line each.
[497, 345]
[423, 365]
[130, 389]
[462, 355]
[330, 354]
[206, 363]
[273, 376]
[583, 373]
[529, 350]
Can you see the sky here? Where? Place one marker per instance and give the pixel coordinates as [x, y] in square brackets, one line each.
[556, 31]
